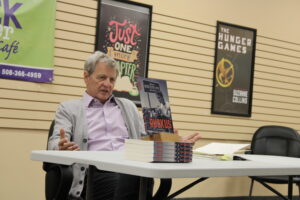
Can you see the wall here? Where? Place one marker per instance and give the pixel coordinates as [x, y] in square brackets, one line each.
[182, 52]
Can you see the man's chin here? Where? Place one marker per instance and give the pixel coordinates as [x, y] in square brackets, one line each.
[103, 98]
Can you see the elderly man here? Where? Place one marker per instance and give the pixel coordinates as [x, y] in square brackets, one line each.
[100, 121]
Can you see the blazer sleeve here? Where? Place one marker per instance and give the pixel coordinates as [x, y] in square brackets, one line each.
[63, 119]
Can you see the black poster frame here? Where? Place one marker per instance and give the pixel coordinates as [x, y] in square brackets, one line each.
[138, 17]
[237, 100]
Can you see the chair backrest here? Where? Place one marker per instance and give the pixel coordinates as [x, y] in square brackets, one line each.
[276, 140]
[50, 131]
[58, 178]
[47, 165]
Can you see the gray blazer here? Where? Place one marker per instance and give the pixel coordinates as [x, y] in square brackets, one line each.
[71, 116]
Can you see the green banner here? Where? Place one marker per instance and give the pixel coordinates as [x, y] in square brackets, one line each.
[27, 39]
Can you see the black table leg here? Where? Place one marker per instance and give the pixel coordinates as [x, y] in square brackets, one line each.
[143, 188]
[89, 183]
[290, 188]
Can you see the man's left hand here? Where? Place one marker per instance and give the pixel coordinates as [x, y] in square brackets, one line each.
[192, 138]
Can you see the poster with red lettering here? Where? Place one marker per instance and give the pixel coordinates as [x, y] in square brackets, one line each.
[123, 32]
[155, 105]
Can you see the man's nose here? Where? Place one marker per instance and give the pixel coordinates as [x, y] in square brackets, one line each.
[107, 82]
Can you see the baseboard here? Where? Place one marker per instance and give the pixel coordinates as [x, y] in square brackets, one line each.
[235, 198]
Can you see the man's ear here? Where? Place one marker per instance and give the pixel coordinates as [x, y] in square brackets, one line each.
[86, 76]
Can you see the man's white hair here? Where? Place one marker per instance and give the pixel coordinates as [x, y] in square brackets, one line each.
[95, 58]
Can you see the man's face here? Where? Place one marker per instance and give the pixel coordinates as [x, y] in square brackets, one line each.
[101, 82]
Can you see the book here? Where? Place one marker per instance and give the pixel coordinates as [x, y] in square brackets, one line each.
[160, 144]
[216, 148]
[158, 151]
[155, 105]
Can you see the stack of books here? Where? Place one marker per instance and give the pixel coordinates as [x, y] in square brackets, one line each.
[158, 151]
[160, 144]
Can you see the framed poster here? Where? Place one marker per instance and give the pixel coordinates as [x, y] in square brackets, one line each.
[233, 70]
[27, 40]
[123, 32]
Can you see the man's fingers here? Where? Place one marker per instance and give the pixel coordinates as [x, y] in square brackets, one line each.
[191, 138]
[196, 138]
[77, 149]
[66, 145]
[70, 146]
[62, 133]
[175, 131]
[74, 147]
[62, 141]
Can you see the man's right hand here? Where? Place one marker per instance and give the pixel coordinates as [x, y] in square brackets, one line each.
[65, 144]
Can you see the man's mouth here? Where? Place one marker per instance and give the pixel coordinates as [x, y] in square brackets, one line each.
[104, 91]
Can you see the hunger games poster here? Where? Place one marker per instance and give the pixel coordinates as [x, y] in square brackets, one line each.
[233, 70]
[123, 32]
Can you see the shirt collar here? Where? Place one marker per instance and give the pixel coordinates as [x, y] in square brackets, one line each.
[88, 100]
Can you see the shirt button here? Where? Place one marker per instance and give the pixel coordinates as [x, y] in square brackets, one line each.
[84, 140]
[82, 168]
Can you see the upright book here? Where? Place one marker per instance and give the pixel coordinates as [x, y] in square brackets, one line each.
[161, 145]
[155, 105]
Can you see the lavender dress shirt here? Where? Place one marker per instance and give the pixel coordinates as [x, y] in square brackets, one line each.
[106, 127]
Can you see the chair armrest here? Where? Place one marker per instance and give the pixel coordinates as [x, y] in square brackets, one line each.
[58, 180]
[164, 189]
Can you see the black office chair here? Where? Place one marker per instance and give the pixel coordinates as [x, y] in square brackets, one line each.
[58, 180]
[277, 141]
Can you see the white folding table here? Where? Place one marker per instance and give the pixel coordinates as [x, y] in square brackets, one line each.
[255, 165]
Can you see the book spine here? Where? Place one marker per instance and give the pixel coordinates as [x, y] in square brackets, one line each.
[176, 160]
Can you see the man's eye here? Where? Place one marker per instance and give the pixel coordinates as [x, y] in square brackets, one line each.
[101, 77]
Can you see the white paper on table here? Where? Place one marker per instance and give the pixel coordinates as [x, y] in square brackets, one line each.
[216, 148]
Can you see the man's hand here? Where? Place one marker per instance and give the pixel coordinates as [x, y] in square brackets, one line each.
[192, 138]
[65, 144]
